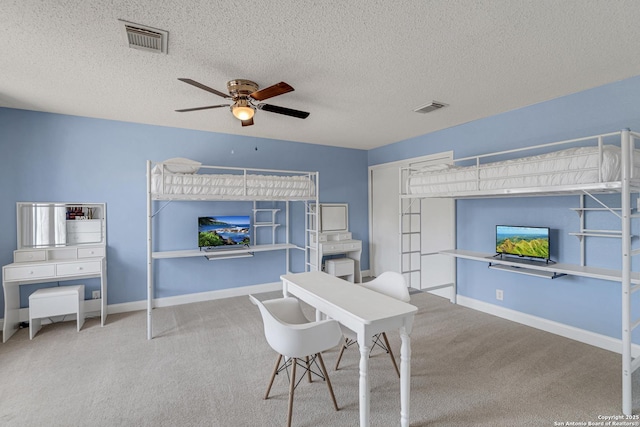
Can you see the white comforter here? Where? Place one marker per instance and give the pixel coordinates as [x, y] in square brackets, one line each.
[565, 167]
[212, 185]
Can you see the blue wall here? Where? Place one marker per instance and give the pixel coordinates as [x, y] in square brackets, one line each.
[589, 304]
[51, 157]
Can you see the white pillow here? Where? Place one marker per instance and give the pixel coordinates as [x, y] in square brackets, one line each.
[181, 165]
[436, 167]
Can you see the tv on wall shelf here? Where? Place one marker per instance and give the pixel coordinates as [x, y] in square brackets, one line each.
[225, 236]
[523, 241]
[523, 246]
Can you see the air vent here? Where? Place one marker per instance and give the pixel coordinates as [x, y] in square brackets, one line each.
[145, 38]
[427, 108]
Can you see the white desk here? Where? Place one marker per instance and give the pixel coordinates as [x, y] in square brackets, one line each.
[86, 265]
[367, 313]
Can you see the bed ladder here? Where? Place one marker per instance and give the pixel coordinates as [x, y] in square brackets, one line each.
[311, 226]
[410, 242]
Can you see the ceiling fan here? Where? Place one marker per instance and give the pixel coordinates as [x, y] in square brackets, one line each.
[244, 93]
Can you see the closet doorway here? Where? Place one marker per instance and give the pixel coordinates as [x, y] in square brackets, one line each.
[437, 226]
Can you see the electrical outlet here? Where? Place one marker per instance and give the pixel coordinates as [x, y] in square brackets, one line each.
[95, 294]
[499, 294]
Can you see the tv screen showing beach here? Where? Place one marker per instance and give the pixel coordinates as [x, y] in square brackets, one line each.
[523, 241]
[218, 231]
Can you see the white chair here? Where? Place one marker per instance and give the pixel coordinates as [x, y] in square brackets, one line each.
[294, 337]
[391, 284]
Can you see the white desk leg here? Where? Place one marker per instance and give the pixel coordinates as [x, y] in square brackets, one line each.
[405, 376]
[364, 342]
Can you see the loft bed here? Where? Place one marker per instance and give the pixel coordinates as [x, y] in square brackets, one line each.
[181, 179]
[595, 168]
[600, 164]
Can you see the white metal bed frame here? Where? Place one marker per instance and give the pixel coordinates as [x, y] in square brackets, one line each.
[311, 225]
[625, 187]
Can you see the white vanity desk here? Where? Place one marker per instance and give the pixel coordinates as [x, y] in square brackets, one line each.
[334, 237]
[54, 261]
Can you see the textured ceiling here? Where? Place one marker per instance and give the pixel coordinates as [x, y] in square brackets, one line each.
[359, 67]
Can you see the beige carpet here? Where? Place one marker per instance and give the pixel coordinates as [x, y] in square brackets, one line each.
[209, 366]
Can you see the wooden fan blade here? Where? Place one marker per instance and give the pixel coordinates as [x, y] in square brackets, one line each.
[247, 122]
[271, 91]
[207, 88]
[201, 108]
[282, 110]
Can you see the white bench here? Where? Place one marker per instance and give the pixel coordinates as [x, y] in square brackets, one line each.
[57, 301]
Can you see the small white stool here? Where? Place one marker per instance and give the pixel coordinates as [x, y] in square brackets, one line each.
[56, 301]
[341, 267]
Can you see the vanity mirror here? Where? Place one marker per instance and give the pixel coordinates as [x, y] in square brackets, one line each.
[53, 225]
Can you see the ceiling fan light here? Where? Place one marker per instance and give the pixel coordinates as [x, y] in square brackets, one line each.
[242, 111]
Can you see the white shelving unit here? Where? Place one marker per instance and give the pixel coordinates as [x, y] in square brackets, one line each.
[260, 223]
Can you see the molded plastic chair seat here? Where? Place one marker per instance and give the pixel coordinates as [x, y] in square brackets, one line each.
[388, 283]
[294, 337]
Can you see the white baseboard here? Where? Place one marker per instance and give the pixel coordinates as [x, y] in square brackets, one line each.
[92, 307]
[213, 295]
[571, 332]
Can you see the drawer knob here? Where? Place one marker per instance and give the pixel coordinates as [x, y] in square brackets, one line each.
[30, 272]
[79, 268]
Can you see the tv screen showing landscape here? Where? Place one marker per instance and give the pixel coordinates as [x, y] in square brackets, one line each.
[530, 242]
[224, 231]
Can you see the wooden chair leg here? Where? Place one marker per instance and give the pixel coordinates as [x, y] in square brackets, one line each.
[273, 375]
[340, 355]
[308, 368]
[393, 359]
[292, 387]
[326, 376]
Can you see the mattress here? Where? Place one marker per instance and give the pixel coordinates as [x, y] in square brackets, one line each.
[566, 167]
[228, 185]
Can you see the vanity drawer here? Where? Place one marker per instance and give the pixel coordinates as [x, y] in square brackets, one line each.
[341, 247]
[354, 246]
[331, 247]
[29, 256]
[76, 238]
[335, 237]
[29, 272]
[85, 226]
[78, 268]
[90, 252]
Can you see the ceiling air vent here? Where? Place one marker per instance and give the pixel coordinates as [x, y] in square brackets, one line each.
[145, 38]
[427, 108]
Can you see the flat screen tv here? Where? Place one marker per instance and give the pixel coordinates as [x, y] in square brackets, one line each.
[529, 242]
[218, 232]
